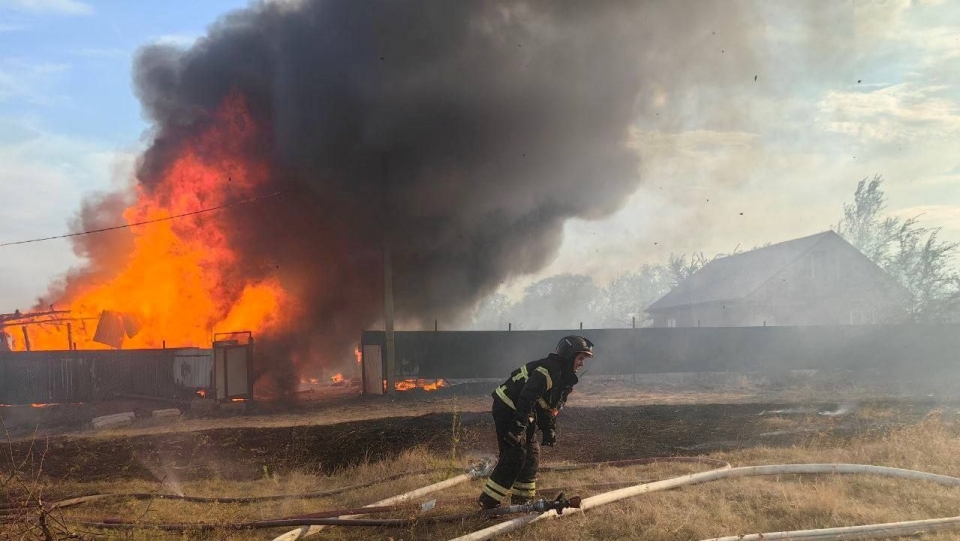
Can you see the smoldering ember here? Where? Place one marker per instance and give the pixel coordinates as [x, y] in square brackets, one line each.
[463, 270]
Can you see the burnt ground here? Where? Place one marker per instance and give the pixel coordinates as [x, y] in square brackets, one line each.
[587, 434]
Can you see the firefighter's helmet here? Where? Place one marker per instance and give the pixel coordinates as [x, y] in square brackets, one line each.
[570, 346]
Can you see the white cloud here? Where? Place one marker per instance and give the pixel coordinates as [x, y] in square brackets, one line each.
[941, 42]
[183, 41]
[33, 82]
[44, 176]
[902, 112]
[944, 216]
[53, 7]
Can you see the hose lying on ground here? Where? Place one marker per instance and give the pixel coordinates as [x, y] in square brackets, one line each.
[869, 531]
[311, 520]
[477, 472]
[7, 509]
[314, 522]
[248, 499]
[88, 498]
[728, 472]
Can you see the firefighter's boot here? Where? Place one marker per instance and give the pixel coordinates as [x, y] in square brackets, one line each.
[487, 502]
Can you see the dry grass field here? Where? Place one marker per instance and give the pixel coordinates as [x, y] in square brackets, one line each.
[282, 458]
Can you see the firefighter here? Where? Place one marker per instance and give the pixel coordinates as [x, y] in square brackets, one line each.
[528, 400]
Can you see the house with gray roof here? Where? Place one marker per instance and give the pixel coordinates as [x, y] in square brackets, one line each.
[817, 280]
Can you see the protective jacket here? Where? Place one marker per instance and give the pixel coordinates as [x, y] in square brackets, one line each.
[537, 391]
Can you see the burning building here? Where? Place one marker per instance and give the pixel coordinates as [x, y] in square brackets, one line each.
[296, 140]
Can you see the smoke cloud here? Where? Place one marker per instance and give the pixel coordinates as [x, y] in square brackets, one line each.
[461, 134]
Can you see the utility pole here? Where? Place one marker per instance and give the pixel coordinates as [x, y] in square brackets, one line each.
[389, 345]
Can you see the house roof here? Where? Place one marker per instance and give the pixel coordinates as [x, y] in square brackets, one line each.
[736, 276]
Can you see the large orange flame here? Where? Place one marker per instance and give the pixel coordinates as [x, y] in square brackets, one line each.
[177, 281]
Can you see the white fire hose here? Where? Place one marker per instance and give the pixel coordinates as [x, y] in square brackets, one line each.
[481, 470]
[873, 530]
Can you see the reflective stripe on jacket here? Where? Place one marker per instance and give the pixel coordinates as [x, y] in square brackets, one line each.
[537, 385]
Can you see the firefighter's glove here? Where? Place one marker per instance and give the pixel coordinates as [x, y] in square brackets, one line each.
[515, 435]
[549, 438]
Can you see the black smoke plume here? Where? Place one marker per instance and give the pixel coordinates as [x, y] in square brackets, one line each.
[463, 134]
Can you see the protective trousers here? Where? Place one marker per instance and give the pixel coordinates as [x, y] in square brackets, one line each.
[516, 471]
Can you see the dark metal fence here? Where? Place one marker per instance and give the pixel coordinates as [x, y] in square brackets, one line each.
[893, 349]
[80, 376]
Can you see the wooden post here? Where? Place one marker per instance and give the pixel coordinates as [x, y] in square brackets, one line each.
[390, 344]
[69, 336]
[634, 322]
[436, 326]
[581, 325]
[164, 344]
[509, 326]
[26, 338]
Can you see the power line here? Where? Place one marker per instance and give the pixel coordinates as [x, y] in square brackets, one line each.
[145, 222]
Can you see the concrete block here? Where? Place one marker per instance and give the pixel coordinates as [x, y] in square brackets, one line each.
[233, 407]
[173, 412]
[126, 415]
[201, 405]
[114, 421]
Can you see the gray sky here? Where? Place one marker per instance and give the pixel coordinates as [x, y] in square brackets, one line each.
[842, 92]
[765, 146]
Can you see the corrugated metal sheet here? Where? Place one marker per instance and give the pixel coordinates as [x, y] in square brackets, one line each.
[78, 376]
[897, 349]
[193, 368]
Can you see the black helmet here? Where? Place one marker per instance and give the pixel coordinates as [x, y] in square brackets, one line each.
[570, 346]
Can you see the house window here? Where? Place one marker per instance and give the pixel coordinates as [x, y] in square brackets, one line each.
[671, 322]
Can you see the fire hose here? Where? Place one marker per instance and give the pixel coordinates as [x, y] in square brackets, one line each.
[479, 471]
[484, 470]
[335, 517]
[69, 502]
[543, 510]
[558, 505]
[874, 530]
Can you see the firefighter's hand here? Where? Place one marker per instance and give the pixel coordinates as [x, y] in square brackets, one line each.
[515, 436]
[549, 438]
